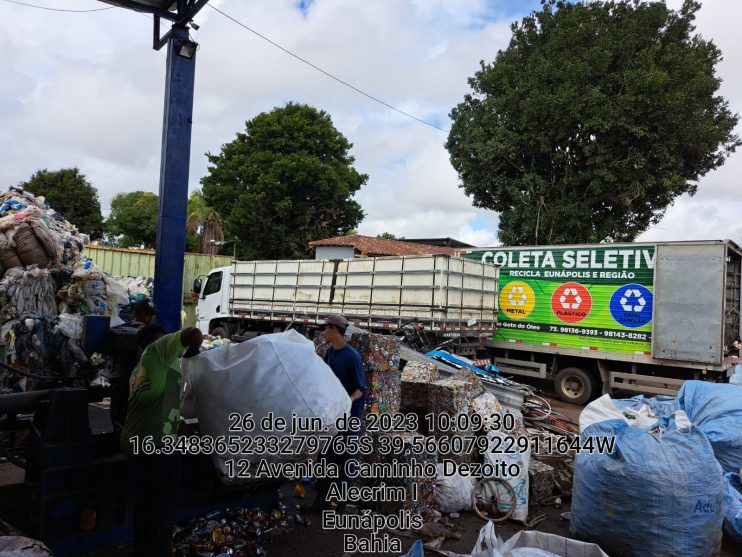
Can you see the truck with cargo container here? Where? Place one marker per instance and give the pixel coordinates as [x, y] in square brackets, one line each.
[429, 299]
[592, 318]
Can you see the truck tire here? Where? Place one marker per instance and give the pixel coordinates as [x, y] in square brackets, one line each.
[220, 331]
[575, 385]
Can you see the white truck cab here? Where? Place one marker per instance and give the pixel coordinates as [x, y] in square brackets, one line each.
[213, 301]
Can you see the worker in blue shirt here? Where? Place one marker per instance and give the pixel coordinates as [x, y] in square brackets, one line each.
[346, 364]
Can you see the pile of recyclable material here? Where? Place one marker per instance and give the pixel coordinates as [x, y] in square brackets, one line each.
[32, 233]
[93, 292]
[239, 532]
[138, 288]
[45, 290]
[28, 291]
[658, 492]
[211, 342]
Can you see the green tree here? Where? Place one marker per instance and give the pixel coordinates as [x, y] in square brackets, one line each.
[592, 122]
[287, 180]
[133, 219]
[69, 193]
[204, 224]
[389, 236]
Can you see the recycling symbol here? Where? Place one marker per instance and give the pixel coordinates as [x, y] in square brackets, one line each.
[517, 300]
[631, 305]
[635, 296]
[517, 296]
[570, 299]
[571, 302]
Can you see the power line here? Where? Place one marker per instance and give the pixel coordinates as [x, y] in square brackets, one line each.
[56, 9]
[328, 74]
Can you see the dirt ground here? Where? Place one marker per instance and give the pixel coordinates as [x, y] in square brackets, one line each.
[314, 541]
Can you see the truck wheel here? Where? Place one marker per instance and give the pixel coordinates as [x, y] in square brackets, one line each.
[574, 385]
[220, 332]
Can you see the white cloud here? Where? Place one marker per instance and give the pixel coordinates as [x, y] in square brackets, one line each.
[87, 90]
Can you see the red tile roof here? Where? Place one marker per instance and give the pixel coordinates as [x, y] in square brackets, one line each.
[377, 247]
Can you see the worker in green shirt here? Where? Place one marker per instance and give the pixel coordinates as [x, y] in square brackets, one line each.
[153, 414]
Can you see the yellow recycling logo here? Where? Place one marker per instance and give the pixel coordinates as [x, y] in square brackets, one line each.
[517, 300]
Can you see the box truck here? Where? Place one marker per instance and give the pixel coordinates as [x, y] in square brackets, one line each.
[593, 318]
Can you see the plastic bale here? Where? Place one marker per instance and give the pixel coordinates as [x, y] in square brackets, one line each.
[656, 494]
[716, 409]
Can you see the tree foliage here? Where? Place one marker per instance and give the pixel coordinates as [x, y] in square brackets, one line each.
[133, 219]
[287, 180]
[592, 122]
[204, 224]
[69, 193]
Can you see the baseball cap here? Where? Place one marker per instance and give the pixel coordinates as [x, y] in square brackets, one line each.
[145, 307]
[338, 321]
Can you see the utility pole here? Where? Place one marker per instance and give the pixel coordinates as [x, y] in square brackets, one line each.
[174, 166]
[176, 148]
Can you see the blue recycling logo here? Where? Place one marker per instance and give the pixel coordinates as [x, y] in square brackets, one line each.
[631, 305]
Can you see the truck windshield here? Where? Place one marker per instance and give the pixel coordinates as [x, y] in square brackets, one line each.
[214, 284]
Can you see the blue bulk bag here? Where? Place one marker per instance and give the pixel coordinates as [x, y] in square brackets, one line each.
[661, 405]
[733, 506]
[716, 409]
[657, 494]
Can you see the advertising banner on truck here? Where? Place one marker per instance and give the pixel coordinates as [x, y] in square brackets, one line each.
[585, 297]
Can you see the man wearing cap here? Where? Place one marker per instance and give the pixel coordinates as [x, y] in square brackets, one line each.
[347, 366]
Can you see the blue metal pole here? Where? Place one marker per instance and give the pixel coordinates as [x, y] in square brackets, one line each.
[176, 152]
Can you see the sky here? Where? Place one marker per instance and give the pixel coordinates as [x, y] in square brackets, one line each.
[86, 90]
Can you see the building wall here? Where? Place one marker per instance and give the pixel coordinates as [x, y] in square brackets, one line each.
[334, 252]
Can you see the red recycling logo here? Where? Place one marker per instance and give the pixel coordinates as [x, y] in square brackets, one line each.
[571, 302]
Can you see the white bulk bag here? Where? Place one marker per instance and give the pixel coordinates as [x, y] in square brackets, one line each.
[278, 373]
